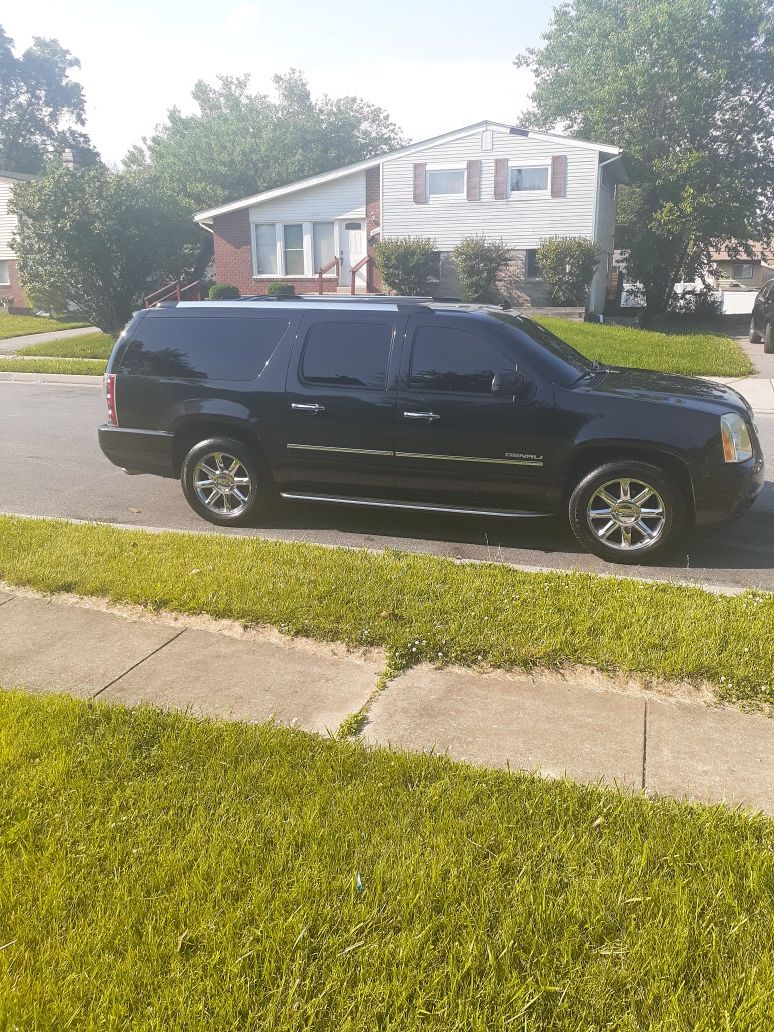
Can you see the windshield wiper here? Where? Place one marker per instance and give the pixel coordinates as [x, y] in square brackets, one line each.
[595, 367]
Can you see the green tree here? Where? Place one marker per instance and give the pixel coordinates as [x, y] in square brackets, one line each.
[94, 238]
[240, 143]
[40, 106]
[686, 88]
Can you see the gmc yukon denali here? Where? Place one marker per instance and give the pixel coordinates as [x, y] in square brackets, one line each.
[405, 404]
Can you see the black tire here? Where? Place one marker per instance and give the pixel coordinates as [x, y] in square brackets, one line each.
[755, 337]
[665, 497]
[768, 339]
[246, 484]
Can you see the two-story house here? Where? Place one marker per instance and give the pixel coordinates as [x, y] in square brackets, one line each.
[9, 279]
[489, 179]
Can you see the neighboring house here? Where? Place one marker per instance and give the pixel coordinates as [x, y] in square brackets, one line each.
[492, 179]
[740, 272]
[9, 279]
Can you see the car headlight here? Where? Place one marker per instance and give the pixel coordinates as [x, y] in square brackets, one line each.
[737, 446]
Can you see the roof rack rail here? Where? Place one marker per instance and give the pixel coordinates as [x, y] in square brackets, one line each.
[374, 299]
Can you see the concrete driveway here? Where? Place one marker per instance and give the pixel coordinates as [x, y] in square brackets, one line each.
[49, 443]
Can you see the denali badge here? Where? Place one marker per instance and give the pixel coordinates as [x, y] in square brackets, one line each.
[523, 455]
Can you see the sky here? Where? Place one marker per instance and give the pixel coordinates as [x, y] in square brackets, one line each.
[433, 66]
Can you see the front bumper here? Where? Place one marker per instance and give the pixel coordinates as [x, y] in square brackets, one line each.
[139, 451]
[728, 492]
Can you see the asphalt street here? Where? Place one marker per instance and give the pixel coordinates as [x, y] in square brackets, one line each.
[51, 465]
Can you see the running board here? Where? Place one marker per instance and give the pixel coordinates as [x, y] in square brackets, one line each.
[374, 503]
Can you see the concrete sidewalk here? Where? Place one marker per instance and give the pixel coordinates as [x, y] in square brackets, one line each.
[11, 344]
[757, 390]
[545, 723]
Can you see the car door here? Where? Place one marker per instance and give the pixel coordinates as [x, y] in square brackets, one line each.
[341, 393]
[456, 441]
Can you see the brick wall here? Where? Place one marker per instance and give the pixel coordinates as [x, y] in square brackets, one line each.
[373, 186]
[15, 290]
[234, 260]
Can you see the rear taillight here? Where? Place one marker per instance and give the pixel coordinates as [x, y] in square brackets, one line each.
[110, 398]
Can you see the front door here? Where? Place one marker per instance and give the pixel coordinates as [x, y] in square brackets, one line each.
[457, 442]
[340, 396]
[352, 239]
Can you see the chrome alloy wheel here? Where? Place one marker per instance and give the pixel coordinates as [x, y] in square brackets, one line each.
[626, 514]
[222, 483]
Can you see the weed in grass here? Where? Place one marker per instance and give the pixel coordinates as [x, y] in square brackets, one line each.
[162, 873]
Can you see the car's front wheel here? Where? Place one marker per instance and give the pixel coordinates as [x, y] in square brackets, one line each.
[768, 339]
[626, 512]
[222, 482]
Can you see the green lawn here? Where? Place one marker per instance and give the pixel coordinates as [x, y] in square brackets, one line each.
[162, 873]
[87, 345]
[72, 366]
[18, 325]
[417, 607]
[694, 354]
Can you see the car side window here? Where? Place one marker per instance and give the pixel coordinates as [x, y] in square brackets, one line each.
[212, 348]
[348, 354]
[446, 358]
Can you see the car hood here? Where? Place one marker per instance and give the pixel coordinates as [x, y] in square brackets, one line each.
[691, 392]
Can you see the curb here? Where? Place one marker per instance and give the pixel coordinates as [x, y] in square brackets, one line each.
[52, 378]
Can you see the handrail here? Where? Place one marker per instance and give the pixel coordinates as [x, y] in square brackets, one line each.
[356, 268]
[175, 290]
[333, 263]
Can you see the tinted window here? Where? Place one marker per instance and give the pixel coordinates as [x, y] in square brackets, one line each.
[351, 354]
[449, 359]
[202, 348]
[558, 347]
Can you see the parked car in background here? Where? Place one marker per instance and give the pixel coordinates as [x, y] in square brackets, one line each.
[762, 321]
[403, 404]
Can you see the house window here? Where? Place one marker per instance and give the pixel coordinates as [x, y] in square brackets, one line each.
[266, 250]
[446, 182]
[742, 270]
[5, 273]
[532, 270]
[294, 250]
[529, 180]
[324, 244]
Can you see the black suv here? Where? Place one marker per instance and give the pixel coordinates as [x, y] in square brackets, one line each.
[762, 321]
[410, 405]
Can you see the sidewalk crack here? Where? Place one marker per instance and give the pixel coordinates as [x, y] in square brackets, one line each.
[134, 666]
[645, 746]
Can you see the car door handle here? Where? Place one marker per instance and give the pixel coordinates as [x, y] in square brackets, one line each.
[429, 416]
[314, 408]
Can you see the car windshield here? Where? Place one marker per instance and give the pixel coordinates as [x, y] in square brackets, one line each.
[558, 347]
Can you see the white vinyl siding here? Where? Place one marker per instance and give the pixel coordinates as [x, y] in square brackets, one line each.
[521, 221]
[7, 221]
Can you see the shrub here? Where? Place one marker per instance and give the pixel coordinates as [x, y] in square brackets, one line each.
[567, 264]
[223, 292]
[279, 289]
[480, 263]
[404, 264]
[696, 304]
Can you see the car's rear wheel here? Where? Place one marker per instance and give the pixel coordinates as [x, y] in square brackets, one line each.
[755, 337]
[626, 511]
[768, 339]
[223, 482]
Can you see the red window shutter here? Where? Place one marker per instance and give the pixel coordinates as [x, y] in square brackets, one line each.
[559, 176]
[420, 183]
[501, 179]
[474, 181]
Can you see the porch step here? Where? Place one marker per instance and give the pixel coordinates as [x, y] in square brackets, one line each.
[347, 290]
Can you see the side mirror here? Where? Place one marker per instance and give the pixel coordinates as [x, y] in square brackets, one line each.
[513, 383]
